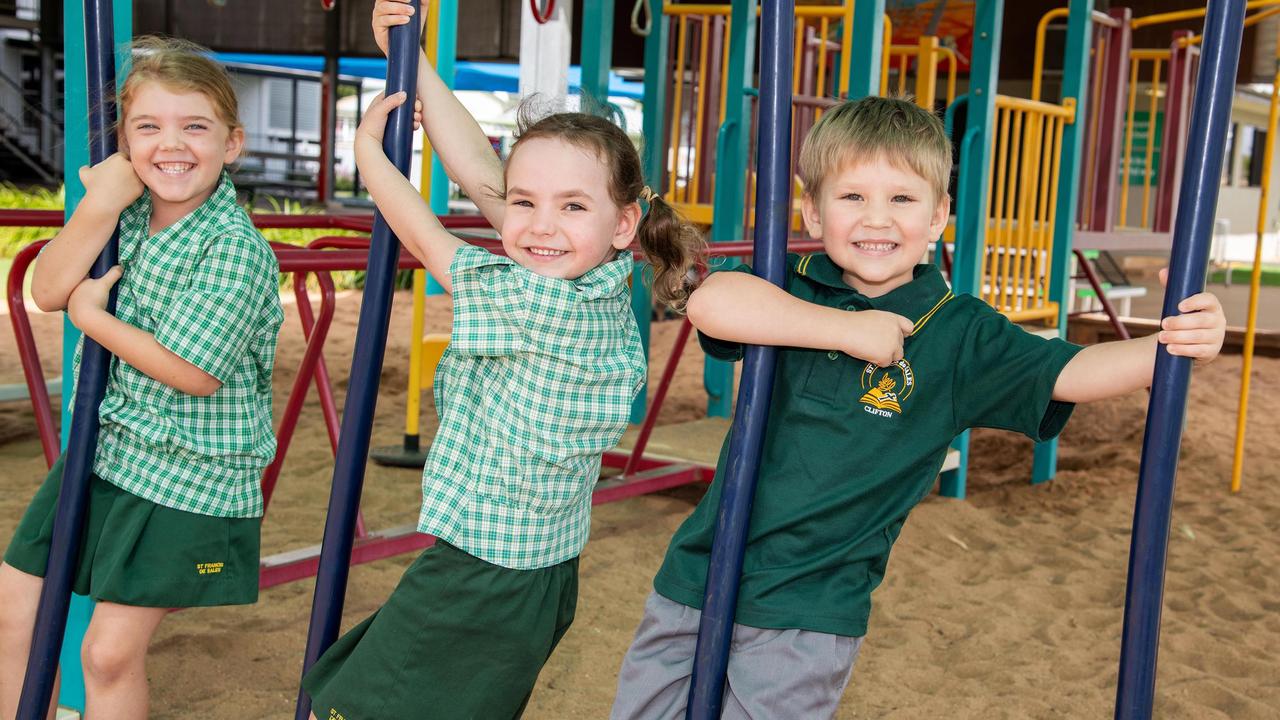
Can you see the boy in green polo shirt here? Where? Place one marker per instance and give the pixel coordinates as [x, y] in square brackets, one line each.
[864, 408]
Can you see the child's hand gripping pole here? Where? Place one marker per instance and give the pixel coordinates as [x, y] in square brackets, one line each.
[366, 367]
[95, 361]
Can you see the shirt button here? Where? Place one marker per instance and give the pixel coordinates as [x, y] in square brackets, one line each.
[851, 308]
[833, 355]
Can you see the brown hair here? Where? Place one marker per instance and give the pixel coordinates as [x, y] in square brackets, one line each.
[903, 133]
[670, 244]
[183, 66]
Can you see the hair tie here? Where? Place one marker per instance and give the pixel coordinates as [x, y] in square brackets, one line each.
[648, 195]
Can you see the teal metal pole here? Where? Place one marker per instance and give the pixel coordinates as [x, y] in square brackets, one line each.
[75, 156]
[445, 61]
[1075, 84]
[597, 53]
[971, 191]
[654, 157]
[729, 200]
[867, 54]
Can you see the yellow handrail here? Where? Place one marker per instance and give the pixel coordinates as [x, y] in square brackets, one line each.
[1178, 15]
[1250, 21]
[1022, 206]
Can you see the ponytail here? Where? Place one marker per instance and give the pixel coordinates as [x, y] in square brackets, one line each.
[673, 247]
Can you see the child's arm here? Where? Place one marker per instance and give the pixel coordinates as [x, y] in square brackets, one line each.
[139, 348]
[463, 147]
[739, 307]
[110, 187]
[1110, 369]
[400, 204]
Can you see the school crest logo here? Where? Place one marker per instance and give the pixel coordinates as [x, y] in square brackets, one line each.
[886, 389]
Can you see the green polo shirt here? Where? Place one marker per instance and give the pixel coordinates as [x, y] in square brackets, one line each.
[851, 448]
[207, 288]
[536, 385]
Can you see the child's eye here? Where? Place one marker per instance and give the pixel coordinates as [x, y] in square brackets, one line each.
[851, 196]
[522, 203]
[196, 126]
[146, 126]
[903, 198]
[575, 206]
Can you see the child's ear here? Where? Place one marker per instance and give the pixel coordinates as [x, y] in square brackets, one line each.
[812, 217]
[235, 143]
[628, 223]
[941, 215]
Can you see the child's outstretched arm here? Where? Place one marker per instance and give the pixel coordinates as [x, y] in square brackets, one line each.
[1116, 368]
[110, 187]
[739, 307]
[464, 149]
[139, 348]
[397, 200]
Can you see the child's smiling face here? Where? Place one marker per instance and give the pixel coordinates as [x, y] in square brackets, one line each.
[560, 219]
[875, 221]
[178, 146]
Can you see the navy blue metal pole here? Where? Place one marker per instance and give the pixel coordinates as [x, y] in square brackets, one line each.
[95, 361]
[1193, 226]
[773, 214]
[366, 369]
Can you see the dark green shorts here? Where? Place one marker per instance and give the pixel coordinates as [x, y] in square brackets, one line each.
[135, 552]
[459, 638]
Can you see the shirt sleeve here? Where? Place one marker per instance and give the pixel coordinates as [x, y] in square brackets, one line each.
[1005, 377]
[211, 323]
[729, 350]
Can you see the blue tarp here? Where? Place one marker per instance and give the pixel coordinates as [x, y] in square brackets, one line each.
[501, 77]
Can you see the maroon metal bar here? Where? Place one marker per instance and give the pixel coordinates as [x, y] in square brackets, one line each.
[31, 218]
[1111, 110]
[1086, 267]
[1177, 111]
[660, 396]
[315, 331]
[303, 563]
[359, 222]
[32, 371]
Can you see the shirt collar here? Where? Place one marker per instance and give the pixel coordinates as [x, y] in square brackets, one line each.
[135, 221]
[606, 279]
[915, 301]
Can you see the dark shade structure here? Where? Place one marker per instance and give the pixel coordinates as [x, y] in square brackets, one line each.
[773, 212]
[1192, 230]
[95, 361]
[366, 370]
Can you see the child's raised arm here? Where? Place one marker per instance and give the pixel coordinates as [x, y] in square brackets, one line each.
[110, 187]
[400, 204]
[743, 308]
[1115, 368]
[463, 147]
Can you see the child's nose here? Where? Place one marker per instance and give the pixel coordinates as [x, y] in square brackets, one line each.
[171, 140]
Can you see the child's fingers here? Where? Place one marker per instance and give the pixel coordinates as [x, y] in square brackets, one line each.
[1190, 321]
[1197, 351]
[1190, 337]
[113, 275]
[1200, 301]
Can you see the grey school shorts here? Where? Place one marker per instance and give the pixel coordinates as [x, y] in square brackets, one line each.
[772, 673]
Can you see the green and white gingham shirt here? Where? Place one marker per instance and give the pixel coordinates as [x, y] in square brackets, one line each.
[536, 384]
[207, 287]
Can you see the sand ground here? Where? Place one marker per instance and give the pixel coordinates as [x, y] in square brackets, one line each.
[1005, 605]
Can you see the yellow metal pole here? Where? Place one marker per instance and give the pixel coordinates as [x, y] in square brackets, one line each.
[927, 72]
[887, 44]
[413, 404]
[1037, 67]
[1255, 280]
[1190, 14]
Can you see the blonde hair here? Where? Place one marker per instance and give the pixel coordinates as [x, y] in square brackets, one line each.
[181, 66]
[671, 245]
[903, 133]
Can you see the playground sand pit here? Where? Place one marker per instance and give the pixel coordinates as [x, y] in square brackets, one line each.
[1008, 604]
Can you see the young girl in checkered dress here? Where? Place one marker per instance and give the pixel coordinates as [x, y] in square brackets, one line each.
[543, 364]
[185, 422]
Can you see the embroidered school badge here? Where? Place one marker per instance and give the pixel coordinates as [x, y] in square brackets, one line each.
[886, 389]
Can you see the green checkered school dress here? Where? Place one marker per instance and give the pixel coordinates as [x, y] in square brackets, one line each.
[536, 385]
[207, 288]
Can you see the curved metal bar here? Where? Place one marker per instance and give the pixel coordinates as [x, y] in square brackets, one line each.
[29, 353]
[1192, 232]
[773, 191]
[366, 367]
